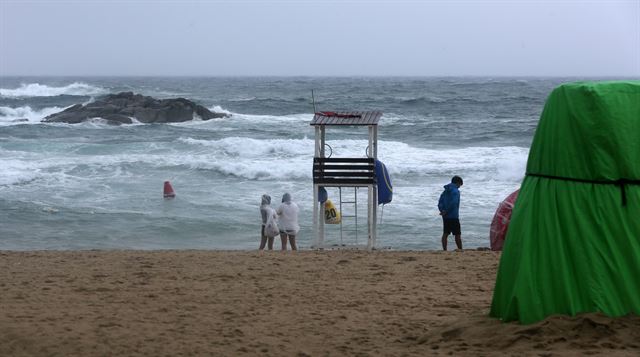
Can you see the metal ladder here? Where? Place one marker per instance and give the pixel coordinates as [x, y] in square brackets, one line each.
[355, 215]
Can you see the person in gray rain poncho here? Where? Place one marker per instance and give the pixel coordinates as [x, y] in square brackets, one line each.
[288, 221]
[269, 223]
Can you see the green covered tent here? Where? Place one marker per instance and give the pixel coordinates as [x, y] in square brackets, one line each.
[573, 243]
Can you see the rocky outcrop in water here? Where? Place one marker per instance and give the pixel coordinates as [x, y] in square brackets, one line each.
[120, 108]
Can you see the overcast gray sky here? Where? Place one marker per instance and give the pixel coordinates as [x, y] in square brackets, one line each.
[430, 38]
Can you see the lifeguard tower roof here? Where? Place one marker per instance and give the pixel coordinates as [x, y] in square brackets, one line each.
[346, 118]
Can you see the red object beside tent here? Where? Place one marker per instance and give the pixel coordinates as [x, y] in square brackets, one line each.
[500, 222]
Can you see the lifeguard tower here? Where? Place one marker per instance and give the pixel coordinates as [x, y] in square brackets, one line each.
[355, 172]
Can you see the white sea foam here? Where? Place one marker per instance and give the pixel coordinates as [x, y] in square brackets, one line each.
[219, 109]
[242, 99]
[16, 172]
[276, 159]
[272, 122]
[270, 119]
[250, 148]
[42, 90]
[9, 115]
[251, 158]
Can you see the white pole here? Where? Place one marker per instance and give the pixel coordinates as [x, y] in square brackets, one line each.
[317, 154]
[374, 218]
[369, 217]
[375, 141]
[370, 151]
[322, 141]
[317, 148]
[315, 216]
[321, 218]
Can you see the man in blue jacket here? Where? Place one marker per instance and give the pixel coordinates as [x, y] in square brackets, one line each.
[449, 204]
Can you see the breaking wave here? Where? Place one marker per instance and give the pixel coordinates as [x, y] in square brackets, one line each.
[25, 115]
[42, 90]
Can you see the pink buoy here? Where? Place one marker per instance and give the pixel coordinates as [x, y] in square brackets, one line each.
[500, 222]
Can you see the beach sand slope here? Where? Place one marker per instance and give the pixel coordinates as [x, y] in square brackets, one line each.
[328, 303]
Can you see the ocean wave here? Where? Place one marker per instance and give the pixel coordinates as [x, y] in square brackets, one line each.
[251, 119]
[525, 98]
[255, 148]
[422, 100]
[242, 99]
[16, 172]
[267, 100]
[293, 157]
[264, 159]
[12, 116]
[268, 119]
[219, 109]
[43, 90]
[488, 81]
[502, 162]
[452, 100]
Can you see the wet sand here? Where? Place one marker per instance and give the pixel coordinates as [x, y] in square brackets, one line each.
[328, 303]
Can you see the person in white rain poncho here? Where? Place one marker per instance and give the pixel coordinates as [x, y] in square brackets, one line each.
[288, 221]
[269, 223]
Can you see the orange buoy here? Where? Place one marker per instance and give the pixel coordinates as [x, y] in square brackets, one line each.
[168, 190]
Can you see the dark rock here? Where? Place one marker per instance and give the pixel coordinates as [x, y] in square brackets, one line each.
[117, 119]
[20, 120]
[122, 107]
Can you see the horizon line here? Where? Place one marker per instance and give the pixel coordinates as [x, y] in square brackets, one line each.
[328, 76]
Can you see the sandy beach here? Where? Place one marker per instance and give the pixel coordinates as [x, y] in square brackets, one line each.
[230, 303]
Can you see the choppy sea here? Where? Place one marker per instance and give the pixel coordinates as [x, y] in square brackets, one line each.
[97, 186]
